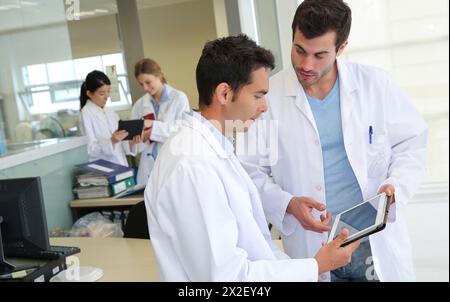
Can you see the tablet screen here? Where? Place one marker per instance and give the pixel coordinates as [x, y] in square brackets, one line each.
[360, 217]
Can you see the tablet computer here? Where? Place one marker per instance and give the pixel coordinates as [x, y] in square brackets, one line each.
[133, 127]
[362, 220]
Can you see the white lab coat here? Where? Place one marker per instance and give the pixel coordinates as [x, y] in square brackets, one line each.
[170, 114]
[369, 97]
[98, 125]
[205, 216]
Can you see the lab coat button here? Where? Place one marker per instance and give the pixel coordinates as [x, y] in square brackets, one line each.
[323, 277]
[319, 188]
[317, 142]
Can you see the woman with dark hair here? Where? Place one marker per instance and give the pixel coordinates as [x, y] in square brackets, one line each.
[100, 124]
[162, 106]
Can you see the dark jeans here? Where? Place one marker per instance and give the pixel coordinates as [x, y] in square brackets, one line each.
[360, 269]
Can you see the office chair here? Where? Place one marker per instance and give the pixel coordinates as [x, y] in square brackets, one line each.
[136, 225]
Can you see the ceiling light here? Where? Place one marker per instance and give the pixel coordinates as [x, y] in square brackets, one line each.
[12, 6]
[83, 14]
[28, 3]
[101, 11]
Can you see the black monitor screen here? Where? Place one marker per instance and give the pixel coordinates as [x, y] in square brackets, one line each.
[24, 224]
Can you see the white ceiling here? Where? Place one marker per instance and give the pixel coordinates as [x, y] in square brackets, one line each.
[16, 14]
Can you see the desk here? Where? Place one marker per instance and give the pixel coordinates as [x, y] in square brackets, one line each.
[81, 207]
[121, 259]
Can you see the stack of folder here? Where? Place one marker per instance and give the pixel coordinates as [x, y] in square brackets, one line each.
[103, 179]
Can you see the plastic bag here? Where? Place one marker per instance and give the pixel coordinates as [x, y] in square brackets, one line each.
[95, 225]
[59, 232]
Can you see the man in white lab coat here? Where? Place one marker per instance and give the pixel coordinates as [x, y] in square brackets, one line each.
[345, 133]
[204, 213]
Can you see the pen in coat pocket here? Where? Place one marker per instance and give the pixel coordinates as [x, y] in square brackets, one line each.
[370, 134]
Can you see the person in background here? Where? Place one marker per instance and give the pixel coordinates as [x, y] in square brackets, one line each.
[100, 124]
[161, 106]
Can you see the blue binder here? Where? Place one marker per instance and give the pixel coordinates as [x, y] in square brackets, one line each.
[113, 171]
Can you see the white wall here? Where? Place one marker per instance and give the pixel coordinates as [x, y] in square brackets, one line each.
[220, 15]
[427, 216]
[174, 36]
[94, 36]
[286, 11]
[410, 40]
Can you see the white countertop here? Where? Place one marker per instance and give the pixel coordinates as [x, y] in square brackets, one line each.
[40, 149]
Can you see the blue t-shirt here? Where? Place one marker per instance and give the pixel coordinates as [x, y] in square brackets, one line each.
[342, 190]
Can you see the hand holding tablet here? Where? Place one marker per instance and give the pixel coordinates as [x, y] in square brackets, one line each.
[362, 220]
[133, 127]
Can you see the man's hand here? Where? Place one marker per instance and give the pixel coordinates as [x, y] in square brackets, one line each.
[390, 192]
[301, 208]
[332, 256]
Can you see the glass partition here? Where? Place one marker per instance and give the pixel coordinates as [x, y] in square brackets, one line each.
[267, 24]
[259, 20]
[31, 33]
[46, 49]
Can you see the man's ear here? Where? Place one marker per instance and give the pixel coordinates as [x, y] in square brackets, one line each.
[223, 93]
[341, 48]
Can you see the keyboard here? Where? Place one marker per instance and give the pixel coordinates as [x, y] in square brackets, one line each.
[64, 250]
[54, 253]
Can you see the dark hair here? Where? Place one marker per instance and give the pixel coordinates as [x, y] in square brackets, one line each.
[94, 80]
[149, 66]
[229, 60]
[317, 17]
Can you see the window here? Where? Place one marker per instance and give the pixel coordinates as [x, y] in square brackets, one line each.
[55, 86]
[412, 44]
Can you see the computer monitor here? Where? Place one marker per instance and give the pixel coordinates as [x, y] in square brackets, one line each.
[5, 267]
[24, 226]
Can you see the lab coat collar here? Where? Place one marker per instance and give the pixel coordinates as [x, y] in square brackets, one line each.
[292, 85]
[100, 114]
[165, 97]
[348, 86]
[146, 100]
[295, 90]
[220, 145]
[225, 142]
[92, 106]
[346, 78]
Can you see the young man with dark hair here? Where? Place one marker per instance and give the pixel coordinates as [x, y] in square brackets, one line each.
[356, 134]
[205, 216]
